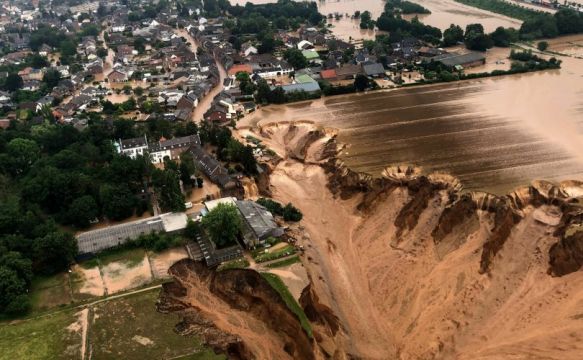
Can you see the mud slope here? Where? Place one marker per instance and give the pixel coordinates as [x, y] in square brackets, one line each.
[414, 268]
[235, 311]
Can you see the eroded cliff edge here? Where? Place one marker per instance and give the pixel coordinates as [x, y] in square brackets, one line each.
[410, 266]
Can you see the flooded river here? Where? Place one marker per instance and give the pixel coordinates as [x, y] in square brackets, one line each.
[494, 134]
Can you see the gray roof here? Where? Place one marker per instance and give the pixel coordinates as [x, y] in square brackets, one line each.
[455, 59]
[307, 87]
[176, 143]
[373, 69]
[210, 166]
[101, 239]
[133, 143]
[259, 219]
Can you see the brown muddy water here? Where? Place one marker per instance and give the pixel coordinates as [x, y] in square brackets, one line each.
[443, 13]
[494, 134]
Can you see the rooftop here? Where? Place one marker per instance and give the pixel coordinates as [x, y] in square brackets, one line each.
[456, 59]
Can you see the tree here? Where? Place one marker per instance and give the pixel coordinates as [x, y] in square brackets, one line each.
[47, 113]
[117, 201]
[295, 58]
[192, 229]
[223, 224]
[267, 45]
[11, 288]
[13, 82]
[291, 213]
[502, 37]
[54, 252]
[82, 211]
[52, 78]
[167, 187]
[475, 39]
[361, 82]
[22, 153]
[365, 20]
[569, 21]
[542, 45]
[453, 35]
[37, 61]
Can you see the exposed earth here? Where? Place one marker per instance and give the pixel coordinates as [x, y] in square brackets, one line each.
[404, 266]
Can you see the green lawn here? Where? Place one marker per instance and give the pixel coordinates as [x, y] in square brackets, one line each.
[49, 292]
[42, 338]
[289, 300]
[130, 327]
[284, 262]
[234, 264]
[262, 256]
[130, 257]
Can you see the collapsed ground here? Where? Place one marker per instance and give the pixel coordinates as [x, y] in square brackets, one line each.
[409, 266]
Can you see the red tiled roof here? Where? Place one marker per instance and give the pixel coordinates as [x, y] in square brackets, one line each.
[241, 68]
[328, 74]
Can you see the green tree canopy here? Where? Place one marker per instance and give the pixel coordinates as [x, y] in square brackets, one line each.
[223, 224]
[453, 35]
[295, 58]
[21, 154]
[13, 82]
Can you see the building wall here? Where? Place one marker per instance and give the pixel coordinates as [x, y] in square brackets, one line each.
[134, 152]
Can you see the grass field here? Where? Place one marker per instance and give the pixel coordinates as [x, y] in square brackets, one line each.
[129, 327]
[289, 300]
[124, 328]
[50, 292]
[263, 256]
[284, 262]
[42, 338]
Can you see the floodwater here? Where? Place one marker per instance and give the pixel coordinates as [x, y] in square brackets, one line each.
[443, 13]
[446, 12]
[494, 134]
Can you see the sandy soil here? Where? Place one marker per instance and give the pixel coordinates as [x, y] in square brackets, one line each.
[161, 262]
[294, 277]
[118, 276]
[92, 282]
[81, 326]
[408, 298]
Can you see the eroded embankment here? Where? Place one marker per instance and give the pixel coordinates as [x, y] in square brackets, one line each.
[415, 268]
[405, 266]
[238, 313]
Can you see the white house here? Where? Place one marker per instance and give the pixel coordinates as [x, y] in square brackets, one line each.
[132, 147]
[305, 45]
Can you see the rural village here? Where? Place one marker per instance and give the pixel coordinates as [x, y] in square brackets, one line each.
[128, 129]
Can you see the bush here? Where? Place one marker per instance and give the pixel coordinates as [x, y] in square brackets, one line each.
[542, 45]
[291, 213]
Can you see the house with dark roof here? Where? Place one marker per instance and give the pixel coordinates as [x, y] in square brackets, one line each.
[212, 168]
[374, 69]
[259, 223]
[132, 147]
[117, 76]
[464, 61]
[348, 71]
[172, 149]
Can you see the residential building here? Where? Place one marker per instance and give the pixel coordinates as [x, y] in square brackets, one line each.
[171, 149]
[212, 168]
[133, 147]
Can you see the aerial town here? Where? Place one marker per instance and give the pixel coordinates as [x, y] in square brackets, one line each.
[279, 179]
